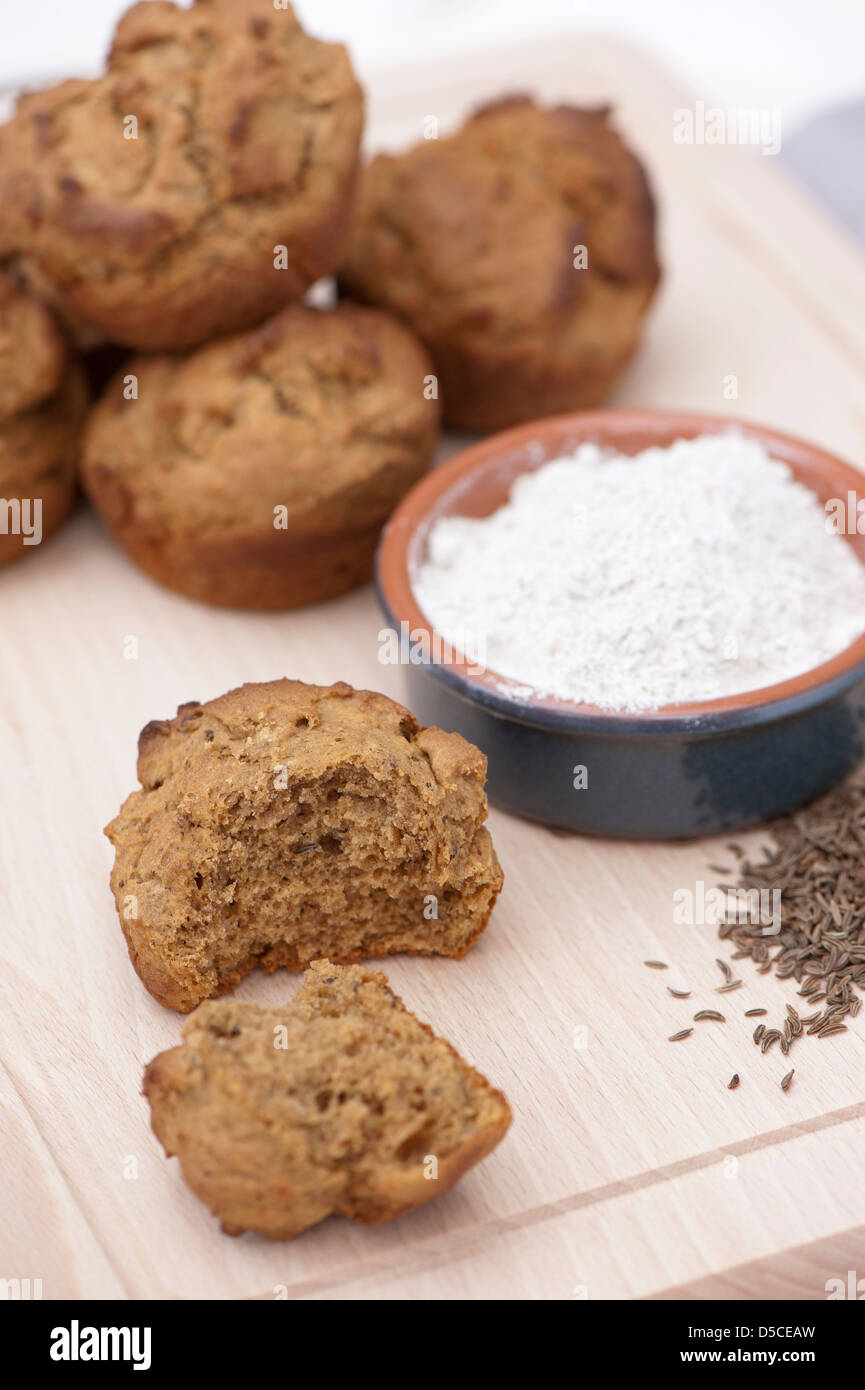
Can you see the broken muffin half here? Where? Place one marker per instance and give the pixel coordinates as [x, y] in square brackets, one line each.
[341, 1102]
[285, 822]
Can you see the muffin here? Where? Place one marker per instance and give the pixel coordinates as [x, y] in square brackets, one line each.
[521, 250]
[257, 472]
[340, 1102]
[42, 406]
[203, 182]
[285, 822]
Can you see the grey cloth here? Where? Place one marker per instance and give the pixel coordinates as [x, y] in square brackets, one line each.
[828, 155]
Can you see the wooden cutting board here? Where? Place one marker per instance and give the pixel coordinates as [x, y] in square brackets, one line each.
[630, 1170]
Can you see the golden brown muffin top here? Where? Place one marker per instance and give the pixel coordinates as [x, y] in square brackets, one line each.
[245, 125]
[192, 763]
[472, 236]
[315, 411]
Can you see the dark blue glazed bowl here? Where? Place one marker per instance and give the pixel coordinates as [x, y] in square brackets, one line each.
[676, 772]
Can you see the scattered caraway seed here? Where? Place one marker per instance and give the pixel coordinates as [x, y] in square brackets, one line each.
[785, 1080]
[724, 969]
[656, 964]
[685, 1033]
[725, 989]
[810, 885]
[755, 1013]
[759, 1031]
[733, 1082]
[719, 869]
[709, 1013]
[772, 1035]
[679, 993]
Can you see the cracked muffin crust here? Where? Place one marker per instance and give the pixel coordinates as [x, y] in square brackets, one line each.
[283, 822]
[246, 141]
[338, 1103]
[258, 471]
[472, 240]
[43, 401]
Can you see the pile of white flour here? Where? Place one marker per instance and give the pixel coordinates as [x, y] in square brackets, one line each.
[685, 573]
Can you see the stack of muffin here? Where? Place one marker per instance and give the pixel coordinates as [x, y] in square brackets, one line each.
[249, 448]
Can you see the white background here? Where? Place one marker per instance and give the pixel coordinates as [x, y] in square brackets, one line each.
[798, 55]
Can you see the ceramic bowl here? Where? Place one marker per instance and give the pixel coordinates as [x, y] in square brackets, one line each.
[679, 771]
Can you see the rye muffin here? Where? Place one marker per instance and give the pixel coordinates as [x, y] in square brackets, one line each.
[285, 822]
[205, 180]
[340, 1102]
[43, 401]
[257, 472]
[522, 251]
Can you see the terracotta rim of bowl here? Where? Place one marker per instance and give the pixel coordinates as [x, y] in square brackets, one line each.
[490, 466]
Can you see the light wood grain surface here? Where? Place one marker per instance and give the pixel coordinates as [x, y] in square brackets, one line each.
[630, 1170]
